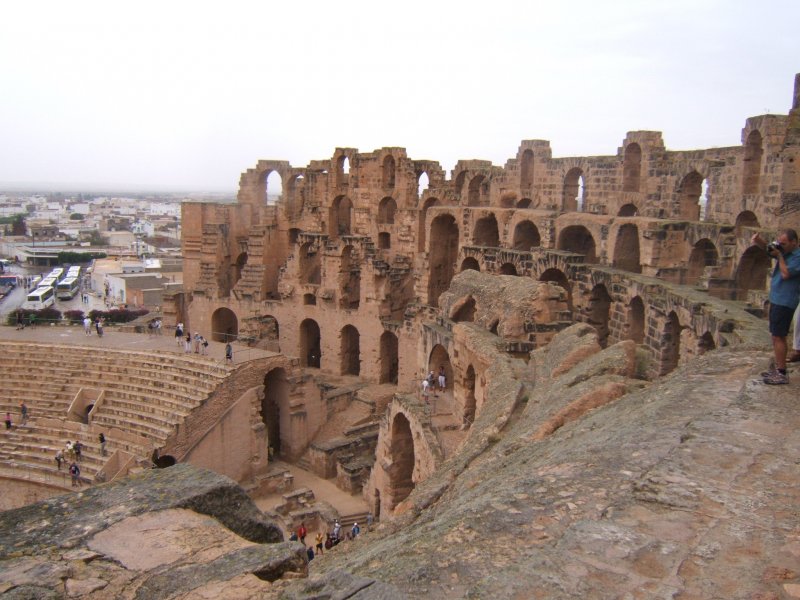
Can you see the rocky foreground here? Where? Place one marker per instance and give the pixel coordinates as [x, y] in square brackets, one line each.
[580, 480]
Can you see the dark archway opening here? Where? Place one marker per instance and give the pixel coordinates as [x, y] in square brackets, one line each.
[704, 254]
[469, 397]
[752, 272]
[389, 358]
[276, 395]
[443, 255]
[470, 263]
[628, 210]
[526, 170]
[340, 217]
[671, 344]
[486, 232]
[422, 224]
[689, 191]
[558, 277]
[599, 310]
[310, 269]
[464, 311]
[526, 236]
[350, 351]
[636, 320]
[508, 269]
[224, 325]
[478, 191]
[626, 249]
[578, 239]
[439, 358]
[401, 471]
[310, 346]
[386, 210]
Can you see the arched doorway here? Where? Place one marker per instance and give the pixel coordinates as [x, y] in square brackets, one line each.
[626, 249]
[224, 325]
[705, 343]
[238, 267]
[526, 236]
[689, 191]
[389, 358]
[478, 191]
[276, 395]
[340, 217]
[429, 202]
[746, 218]
[310, 344]
[599, 309]
[578, 239]
[463, 310]
[558, 277]
[470, 263]
[401, 471]
[752, 272]
[704, 254]
[636, 320]
[273, 187]
[671, 344]
[486, 232]
[469, 396]
[524, 203]
[628, 210]
[423, 182]
[440, 358]
[350, 351]
[342, 171]
[508, 269]
[386, 210]
[573, 199]
[632, 168]
[442, 256]
[349, 280]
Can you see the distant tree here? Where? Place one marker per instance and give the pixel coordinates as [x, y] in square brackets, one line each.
[17, 223]
[95, 239]
[76, 217]
[78, 257]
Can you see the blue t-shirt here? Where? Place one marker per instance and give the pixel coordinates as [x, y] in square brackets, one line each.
[786, 292]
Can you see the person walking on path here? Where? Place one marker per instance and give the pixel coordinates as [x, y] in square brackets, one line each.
[59, 458]
[320, 543]
[187, 343]
[87, 326]
[228, 353]
[179, 334]
[301, 532]
[75, 471]
[442, 379]
[784, 293]
[102, 439]
[8, 421]
[23, 410]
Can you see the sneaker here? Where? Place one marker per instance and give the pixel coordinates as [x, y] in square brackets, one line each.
[768, 373]
[776, 378]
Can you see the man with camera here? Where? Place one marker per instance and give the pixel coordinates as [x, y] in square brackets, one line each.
[784, 294]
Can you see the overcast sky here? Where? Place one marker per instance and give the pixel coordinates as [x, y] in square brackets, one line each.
[178, 94]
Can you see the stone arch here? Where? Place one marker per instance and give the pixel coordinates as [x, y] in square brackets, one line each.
[469, 396]
[350, 351]
[224, 325]
[486, 232]
[524, 203]
[632, 168]
[342, 170]
[574, 193]
[628, 210]
[463, 310]
[470, 263]
[626, 249]
[340, 217]
[384, 240]
[439, 357]
[294, 235]
[599, 311]
[526, 169]
[295, 195]
[478, 191]
[689, 192]
[276, 396]
[389, 358]
[386, 210]
[558, 277]
[442, 256]
[459, 183]
[526, 236]
[671, 343]
[635, 320]
[269, 329]
[401, 471]
[310, 344]
[578, 239]
[746, 218]
[349, 279]
[429, 202]
[508, 200]
[752, 271]
[493, 326]
[423, 183]
[310, 269]
[388, 173]
[704, 254]
[238, 267]
[508, 268]
[753, 151]
[273, 186]
[705, 343]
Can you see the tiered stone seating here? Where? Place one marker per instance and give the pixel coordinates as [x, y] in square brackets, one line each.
[146, 394]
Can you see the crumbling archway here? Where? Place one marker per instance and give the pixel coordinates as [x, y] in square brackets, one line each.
[689, 191]
[578, 239]
[276, 395]
[340, 217]
[389, 358]
[350, 351]
[599, 310]
[671, 344]
[626, 249]
[470, 263]
[224, 325]
[526, 236]
[558, 277]
[478, 191]
[386, 209]
[635, 320]
[752, 271]
[632, 168]
[574, 194]
[238, 267]
[753, 151]
[508, 268]
[440, 358]
[486, 232]
[704, 254]
[401, 472]
[469, 396]
[442, 256]
[310, 270]
[310, 344]
[464, 310]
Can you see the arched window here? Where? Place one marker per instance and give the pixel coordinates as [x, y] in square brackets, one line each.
[386, 210]
[273, 188]
[632, 168]
[689, 191]
[578, 239]
[573, 195]
[753, 151]
[486, 232]
[526, 236]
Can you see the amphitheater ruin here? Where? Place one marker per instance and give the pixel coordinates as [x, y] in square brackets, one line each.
[373, 269]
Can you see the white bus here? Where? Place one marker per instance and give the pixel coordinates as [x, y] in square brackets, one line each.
[35, 281]
[39, 298]
[58, 273]
[74, 272]
[48, 282]
[67, 288]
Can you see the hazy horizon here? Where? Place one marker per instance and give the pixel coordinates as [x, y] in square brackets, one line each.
[188, 95]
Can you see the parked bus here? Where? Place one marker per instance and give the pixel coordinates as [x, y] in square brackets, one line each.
[67, 288]
[39, 298]
[8, 280]
[58, 273]
[74, 272]
[34, 282]
[48, 282]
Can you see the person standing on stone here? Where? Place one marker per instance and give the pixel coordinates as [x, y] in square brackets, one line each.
[320, 543]
[102, 439]
[179, 334]
[442, 379]
[784, 293]
[301, 532]
[59, 458]
[355, 530]
[228, 352]
[77, 447]
[187, 343]
[8, 421]
[370, 520]
[75, 472]
[23, 409]
[87, 325]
